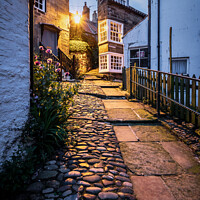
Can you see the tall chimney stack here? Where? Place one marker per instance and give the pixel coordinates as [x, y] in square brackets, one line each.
[86, 12]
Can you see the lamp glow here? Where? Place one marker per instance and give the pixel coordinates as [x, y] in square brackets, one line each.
[77, 18]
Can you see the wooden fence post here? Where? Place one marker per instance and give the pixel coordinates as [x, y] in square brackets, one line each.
[193, 99]
[199, 102]
[158, 93]
[131, 84]
[172, 95]
[124, 78]
[182, 98]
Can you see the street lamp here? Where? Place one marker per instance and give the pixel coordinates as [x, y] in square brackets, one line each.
[77, 18]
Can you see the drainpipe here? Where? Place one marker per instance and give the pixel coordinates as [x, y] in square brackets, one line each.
[149, 34]
[128, 3]
[31, 4]
[158, 74]
[158, 35]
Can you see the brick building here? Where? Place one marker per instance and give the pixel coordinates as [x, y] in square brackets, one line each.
[115, 18]
[51, 25]
[15, 74]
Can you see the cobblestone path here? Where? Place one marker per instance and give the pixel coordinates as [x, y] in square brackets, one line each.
[92, 168]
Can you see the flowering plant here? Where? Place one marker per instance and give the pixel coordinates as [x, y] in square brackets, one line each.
[41, 48]
[49, 51]
[57, 64]
[58, 70]
[49, 61]
[38, 63]
[67, 74]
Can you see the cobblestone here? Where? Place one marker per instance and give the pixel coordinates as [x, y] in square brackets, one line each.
[92, 167]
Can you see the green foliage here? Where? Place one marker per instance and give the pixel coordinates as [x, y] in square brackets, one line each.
[78, 46]
[17, 172]
[49, 111]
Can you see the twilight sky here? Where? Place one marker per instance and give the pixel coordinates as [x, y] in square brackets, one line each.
[77, 5]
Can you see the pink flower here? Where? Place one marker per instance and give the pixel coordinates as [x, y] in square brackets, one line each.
[49, 61]
[58, 70]
[37, 63]
[67, 74]
[49, 51]
[41, 67]
[41, 48]
[57, 64]
[36, 57]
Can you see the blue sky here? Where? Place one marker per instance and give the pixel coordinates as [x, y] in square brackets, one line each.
[77, 5]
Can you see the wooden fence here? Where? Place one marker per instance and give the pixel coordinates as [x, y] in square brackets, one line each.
[174, 94]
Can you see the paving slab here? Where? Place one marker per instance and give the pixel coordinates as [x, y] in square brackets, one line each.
[116, 92]
[122, 114]
[182, 155]
[152, 133]
[146, 158]
[110, 104]
[124, 133]
[184, 187]
[150, 187]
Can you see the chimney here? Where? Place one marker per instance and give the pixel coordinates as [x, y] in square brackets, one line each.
[94, 17]
[86, 12]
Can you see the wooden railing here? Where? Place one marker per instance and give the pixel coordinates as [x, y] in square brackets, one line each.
[174, 94]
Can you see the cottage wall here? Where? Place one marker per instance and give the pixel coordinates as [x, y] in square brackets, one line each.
[135, 38]
[14, 76]
[184, 18]
[57, 13]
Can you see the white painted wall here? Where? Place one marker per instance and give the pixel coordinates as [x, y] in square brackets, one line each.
[14, 73]
[184, 18]
[136, 37]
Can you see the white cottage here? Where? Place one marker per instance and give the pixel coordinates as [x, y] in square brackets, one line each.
[184, 18]
[136, 45]
[15, 73]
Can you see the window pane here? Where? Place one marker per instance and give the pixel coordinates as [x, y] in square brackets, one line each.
[179, 66]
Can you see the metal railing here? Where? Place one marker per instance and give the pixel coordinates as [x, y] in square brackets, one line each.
[174, 94]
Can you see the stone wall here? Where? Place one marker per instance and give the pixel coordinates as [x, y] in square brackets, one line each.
[57, 13]
[83, 61]
[109, 9]
[14, 75]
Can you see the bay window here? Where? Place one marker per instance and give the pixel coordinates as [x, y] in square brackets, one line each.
[110, 31]
[111, 62]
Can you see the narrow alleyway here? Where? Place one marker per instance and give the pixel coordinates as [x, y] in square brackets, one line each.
[120, 151]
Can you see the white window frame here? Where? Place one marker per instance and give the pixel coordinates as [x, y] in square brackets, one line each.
[181, 59]
[109, 63]
[119, 31]
[105, 30]
[108, 23]
[43, 5]
[139, 57]
[103, 66]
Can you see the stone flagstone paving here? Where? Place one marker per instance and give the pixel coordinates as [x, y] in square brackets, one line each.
[93, 167]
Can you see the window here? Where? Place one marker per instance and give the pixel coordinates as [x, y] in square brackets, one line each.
[179, 66]
[103, 62]
[115, 31]
[110, 31]
[103, 31]
[139, 57]
[116, 62]
[41, 5]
